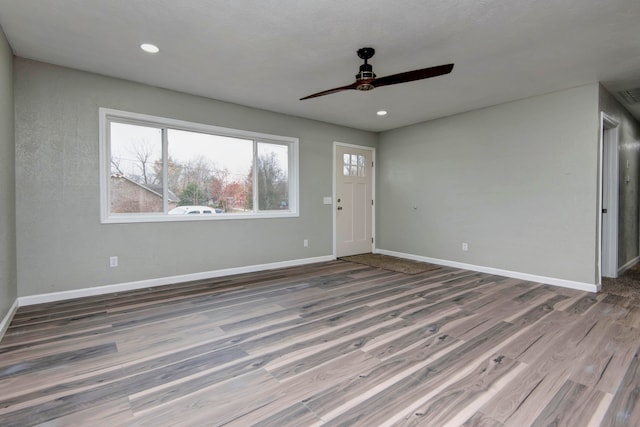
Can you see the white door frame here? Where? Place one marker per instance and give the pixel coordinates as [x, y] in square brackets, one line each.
[608, 255]
[373, 192]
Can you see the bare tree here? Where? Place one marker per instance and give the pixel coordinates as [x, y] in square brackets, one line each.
[272, 184]
[174, 174]
[217, 184]
[144, 155]
[198, 171]
[115, 166]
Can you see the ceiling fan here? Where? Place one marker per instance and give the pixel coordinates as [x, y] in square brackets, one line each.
[366, 79]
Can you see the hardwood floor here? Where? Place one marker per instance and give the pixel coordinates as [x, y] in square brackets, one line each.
[337, 344]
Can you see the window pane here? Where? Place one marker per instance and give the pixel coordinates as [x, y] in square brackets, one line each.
[361, 166]
[209, 170]
[273, 176]
[346, 164]
[136, 152]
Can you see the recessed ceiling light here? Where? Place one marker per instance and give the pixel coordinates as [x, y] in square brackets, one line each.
[381, 113]
[149, 48]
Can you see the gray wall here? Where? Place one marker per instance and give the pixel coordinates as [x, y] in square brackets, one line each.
[628, 151]
[61, 243]
[517, 182]
[8, 281]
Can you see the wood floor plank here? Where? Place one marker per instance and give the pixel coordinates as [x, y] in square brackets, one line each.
[481, 420]
[215, 405]
[573, 405]
[528, 346]
[520, 402]
[632, 318]
[333, 343]
[295, 391]
[464, 395]
[116, 413]
[167, 335]
[583, 304]
[603, 364]
[352, 391]
[68, 398]
[624, 409]
[411, 388]
[41, 363]
[296, 415]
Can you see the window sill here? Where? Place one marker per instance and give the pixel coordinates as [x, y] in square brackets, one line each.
[126, 219]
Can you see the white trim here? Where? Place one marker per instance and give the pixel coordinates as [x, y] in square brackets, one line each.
[127, 219]
[373, 190]
[6, 320]
[103, 167]
[333, 198]
[507, 273]
[158, 121]
[163, 281]
[373, 196]
[107, 114]
[607, 123]
[628, 265]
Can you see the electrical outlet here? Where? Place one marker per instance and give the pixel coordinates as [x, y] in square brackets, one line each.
[465, 246]
[113, 261]
[305, 243]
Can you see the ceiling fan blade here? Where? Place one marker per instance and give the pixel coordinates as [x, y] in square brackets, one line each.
[410, 76]
[330, 91]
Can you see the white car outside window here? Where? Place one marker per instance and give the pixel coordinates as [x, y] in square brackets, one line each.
[186, 210]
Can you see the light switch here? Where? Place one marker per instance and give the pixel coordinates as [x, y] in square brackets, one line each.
[327, 200]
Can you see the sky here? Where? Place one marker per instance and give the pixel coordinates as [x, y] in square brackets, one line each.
[234, 154]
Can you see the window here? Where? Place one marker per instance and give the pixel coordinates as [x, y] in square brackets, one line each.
[157, 169]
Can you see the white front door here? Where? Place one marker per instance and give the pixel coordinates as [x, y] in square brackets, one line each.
[354, 200]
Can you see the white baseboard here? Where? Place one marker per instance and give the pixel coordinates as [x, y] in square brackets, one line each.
[141, 284]
[507, 273]
[6, 320]
[628, 265]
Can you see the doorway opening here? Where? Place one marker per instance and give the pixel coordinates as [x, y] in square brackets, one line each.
[608, 200]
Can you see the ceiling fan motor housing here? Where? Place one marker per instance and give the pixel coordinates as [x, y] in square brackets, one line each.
[364, 77]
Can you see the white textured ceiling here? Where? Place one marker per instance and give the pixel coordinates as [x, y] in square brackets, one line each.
[269, 53]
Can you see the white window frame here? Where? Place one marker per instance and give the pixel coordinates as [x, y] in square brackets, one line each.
[106, 115]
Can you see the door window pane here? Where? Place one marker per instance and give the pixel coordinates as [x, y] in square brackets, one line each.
[361, 166]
